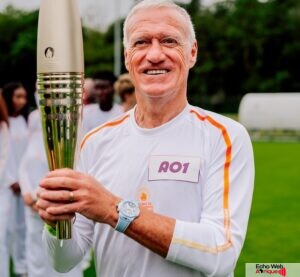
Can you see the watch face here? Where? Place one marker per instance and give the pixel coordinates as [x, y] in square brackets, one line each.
[129, 209]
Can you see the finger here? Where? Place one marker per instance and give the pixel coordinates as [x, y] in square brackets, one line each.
[44, 204]
[63, 209]
[64, 172]
[60, 183]
[43, 215]
[52, 219]
[57, 195]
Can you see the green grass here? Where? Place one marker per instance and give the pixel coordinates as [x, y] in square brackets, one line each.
[274, 225]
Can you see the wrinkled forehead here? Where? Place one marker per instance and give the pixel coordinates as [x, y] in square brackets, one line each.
[163, 19]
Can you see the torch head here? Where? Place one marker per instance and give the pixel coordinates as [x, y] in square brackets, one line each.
[59, 46]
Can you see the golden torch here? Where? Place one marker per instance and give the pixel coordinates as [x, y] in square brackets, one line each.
[60, 77]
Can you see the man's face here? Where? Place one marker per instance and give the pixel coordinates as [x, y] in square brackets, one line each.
[103, 91]
[159, 55]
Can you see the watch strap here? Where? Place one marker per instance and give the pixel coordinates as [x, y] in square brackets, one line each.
[122, 224]
[126, 216]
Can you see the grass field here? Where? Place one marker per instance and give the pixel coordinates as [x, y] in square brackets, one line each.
[274, 226]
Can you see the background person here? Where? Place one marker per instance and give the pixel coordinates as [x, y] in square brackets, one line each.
[15, 97]
[105, 107]
[181, 176]
[6, 179]
[125, 89]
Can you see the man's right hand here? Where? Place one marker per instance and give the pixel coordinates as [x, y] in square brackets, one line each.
[64, 192]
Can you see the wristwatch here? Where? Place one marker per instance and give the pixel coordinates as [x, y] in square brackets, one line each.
[128, 210]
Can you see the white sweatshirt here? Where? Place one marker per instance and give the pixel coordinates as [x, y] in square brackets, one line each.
[19, 138]
[93, 116]
[33, 165]
[4, 155]
[198, 168]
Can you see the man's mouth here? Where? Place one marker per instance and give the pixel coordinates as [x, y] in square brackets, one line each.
[156, 71]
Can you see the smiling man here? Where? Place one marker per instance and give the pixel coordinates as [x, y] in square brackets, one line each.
[165, 189]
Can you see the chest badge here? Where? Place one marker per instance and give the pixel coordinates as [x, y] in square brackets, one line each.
[180, 168]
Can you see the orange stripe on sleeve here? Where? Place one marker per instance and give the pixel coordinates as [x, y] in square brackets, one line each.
[227, 162]
[108, 124]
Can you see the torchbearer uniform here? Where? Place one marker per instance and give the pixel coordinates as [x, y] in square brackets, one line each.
[6, 178]
[17, 229]
[197, 168]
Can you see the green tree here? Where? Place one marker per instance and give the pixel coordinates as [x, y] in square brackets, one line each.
[244, 46]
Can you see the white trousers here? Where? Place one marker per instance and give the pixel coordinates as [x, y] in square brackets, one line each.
[38, 263]
[17, 233]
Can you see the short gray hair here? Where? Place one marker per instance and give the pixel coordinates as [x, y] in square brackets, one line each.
[148, 4]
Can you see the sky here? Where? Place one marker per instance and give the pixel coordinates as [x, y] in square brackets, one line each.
[95, 13]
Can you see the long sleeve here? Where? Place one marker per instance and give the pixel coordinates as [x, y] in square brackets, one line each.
[33, 158]
[7, 161]
[24, 172]
[213, 245]
[4, 144]
[19, 140]
[66, 256]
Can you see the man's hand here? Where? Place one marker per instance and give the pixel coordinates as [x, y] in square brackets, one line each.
[64, 192]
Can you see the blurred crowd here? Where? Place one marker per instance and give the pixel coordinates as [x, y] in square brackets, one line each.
[23, 163]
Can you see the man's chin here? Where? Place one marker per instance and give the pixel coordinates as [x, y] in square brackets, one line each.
[156, 93]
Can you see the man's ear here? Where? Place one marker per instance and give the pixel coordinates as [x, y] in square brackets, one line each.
[126, 59]
[193, 54]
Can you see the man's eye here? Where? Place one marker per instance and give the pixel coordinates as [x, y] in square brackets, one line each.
[140, 42]
[169, 41]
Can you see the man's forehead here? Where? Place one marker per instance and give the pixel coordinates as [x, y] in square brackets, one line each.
[156, 16]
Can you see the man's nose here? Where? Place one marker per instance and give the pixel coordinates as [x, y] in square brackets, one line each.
[155, 52]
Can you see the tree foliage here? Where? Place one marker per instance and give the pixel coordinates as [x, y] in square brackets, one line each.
[244, 46]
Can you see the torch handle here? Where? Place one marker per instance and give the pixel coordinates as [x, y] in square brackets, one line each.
[64, 229]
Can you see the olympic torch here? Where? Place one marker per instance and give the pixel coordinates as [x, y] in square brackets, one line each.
[60, 77]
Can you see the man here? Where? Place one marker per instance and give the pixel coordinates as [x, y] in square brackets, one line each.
[182, 177]
[104, 109]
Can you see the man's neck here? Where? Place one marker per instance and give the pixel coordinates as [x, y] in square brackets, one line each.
[156, 113]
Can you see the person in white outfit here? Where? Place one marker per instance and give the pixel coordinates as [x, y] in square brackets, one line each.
[166, 189]
[125, 89]
[6, 178]
[105, 108]
[32, 169]
[15, 97]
